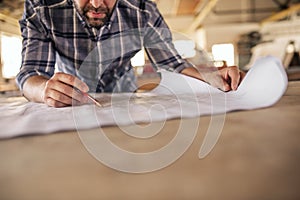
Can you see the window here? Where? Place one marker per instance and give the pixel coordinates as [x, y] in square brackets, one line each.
[185, 48]
[11, 47]
[138, 62]
[223, 52]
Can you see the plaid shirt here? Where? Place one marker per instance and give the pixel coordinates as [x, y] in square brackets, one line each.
[57, 37]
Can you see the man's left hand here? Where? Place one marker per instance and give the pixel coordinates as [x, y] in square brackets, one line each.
[225, 78]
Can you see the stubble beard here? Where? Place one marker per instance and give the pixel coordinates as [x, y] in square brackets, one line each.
[96, 22]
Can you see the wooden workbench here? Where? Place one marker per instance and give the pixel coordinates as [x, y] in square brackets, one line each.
[256, 157]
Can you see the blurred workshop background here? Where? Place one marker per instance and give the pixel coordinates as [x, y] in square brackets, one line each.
[235, 32]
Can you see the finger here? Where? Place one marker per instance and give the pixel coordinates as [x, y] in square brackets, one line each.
[225, 86]
[53, 103]
[219, 82]
[234, 76]
[58, 91]
[60, 97]
[72, 81]
[64, 89]
[242, 76]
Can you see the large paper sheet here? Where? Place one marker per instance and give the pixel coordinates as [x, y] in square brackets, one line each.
[177, 96]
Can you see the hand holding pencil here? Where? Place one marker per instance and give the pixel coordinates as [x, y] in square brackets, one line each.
[63, 90]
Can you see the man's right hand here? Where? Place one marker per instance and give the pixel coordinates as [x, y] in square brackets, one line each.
[58, 91]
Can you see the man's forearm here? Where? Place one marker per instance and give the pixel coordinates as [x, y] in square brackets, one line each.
[33, 88]
[192, 72]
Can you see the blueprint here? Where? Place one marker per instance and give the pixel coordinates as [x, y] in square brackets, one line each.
[177, 96]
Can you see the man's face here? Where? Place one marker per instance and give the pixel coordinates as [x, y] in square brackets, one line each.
[97, 12]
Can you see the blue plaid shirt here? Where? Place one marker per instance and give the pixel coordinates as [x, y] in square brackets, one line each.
[57, 37]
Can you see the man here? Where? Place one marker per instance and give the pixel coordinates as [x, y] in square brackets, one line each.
[90, 44]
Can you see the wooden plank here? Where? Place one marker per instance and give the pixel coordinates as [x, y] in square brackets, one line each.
[202, 15]
[282, 14]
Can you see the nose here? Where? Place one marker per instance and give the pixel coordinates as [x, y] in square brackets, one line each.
[96, 3]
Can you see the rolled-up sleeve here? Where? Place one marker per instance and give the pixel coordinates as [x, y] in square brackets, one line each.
[38, 55]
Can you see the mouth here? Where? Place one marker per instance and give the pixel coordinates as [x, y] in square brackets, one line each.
[96, 15]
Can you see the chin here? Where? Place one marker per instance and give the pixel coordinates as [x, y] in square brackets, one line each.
[96, 23]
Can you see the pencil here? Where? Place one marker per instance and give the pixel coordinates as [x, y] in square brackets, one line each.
[93, 100]
[89, 96]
